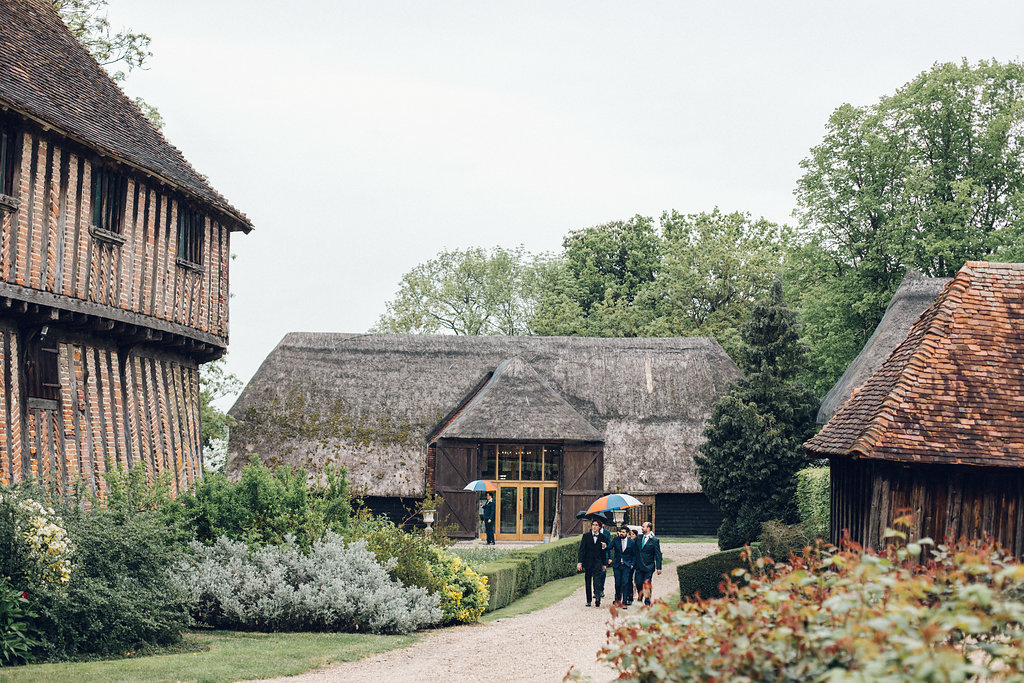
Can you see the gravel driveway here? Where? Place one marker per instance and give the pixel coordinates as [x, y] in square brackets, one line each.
[540, 646]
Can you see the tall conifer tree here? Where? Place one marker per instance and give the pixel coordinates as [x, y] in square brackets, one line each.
[753, 441]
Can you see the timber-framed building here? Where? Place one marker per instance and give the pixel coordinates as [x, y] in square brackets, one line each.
[555, 422]
[938, 428]
[114, 259]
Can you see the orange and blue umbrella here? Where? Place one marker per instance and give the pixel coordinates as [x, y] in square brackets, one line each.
[613, 501]
[480, 485]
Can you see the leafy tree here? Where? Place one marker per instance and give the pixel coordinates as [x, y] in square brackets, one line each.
[469, 292]
[927, 178]
[714, 267]
[215, 382]
[88, 21]
[753, 441]
[591, 289]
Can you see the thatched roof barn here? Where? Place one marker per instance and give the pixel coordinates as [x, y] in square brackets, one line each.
[912, 297]
[939, 428]
[374, 403]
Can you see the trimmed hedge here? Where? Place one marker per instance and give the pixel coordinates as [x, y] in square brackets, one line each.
[704, 575]
[523, 570]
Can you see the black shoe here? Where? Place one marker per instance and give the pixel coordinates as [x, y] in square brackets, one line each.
[597, 603]
[588, 604]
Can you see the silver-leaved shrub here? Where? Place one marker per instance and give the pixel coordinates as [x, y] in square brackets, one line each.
[331, 587]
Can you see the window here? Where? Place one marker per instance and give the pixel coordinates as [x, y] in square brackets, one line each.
[42, 380]
[109, 196]
[191, 226]
[8, 144]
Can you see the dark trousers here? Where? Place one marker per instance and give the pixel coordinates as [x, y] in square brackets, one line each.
[594, 579]
[641, 576]
[623, 591]
[489, 526]
[629, 586]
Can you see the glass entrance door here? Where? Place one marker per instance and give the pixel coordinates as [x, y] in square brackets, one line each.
[525, 511]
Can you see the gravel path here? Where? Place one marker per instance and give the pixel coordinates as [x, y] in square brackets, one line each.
[540, 646]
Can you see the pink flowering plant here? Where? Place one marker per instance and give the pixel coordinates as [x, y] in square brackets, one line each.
[912, 612]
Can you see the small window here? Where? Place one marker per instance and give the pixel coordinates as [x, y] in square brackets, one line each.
[191, 226]
[42, 379]
[109, 196]
[8, 143]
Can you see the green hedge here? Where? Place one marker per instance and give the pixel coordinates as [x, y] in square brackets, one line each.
[812, 500]
[705, 574]
[523, 570]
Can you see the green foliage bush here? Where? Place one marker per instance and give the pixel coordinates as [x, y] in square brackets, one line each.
[703, 577]
[812, 500]
[841, 615]
[523, 570]
[17, 635]
[421, 558]
[333, 586]
[779, 539]
[265, 505]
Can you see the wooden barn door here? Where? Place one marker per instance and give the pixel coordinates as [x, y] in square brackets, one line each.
[455, 467]
[582, 483]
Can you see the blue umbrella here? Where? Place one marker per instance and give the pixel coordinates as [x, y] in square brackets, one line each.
[480, 485]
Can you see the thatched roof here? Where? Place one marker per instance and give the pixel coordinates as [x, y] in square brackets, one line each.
[517, 405]
[953, 391]
[370, 402]
[912, 297]
[46, 74]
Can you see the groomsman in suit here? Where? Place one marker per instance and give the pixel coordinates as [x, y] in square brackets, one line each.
[592, 558]
[623, 561]
[489, 518]
[648, 558]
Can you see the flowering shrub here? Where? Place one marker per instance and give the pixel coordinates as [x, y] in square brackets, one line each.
[16, 633]
[332, 587]
[838, 615]
[49, 547]
[463, 592]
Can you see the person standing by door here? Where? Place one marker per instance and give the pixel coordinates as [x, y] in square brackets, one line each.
[648, 559]
[489, 518]
[592, 558]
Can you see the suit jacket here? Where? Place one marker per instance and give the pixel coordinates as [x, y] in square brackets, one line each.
[489, 511]
[648, 555]
[591, 555]
[623, 558]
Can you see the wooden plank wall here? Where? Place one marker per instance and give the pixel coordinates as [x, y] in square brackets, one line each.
[46, 244]
[139, 409]
[945, 501]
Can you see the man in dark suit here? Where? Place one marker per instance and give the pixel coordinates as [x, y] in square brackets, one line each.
[592, 558]
[623, 560]
[489, 518]
[648, 558]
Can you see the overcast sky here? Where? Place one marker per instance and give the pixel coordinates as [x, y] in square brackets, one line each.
[362, 138]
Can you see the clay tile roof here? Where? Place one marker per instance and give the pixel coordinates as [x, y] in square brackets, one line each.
[953, 391]
[912, 297]
[47, 75]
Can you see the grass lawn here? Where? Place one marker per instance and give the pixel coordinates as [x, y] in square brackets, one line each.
[225, 656]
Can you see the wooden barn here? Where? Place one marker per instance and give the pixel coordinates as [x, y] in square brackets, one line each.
[114, 259]
[554, 421]
[938, 429]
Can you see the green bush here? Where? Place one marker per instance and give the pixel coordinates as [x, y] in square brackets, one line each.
[523, 570]
[17, 635]
[266, 504]
[779, 539]
[812, 500]
[704, 576]
[954, 614]
[119, 595]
